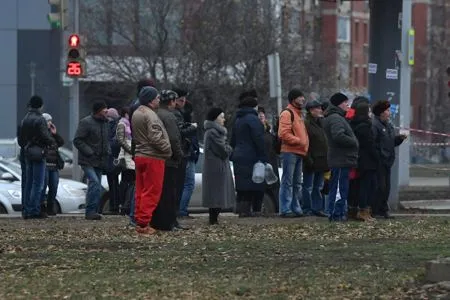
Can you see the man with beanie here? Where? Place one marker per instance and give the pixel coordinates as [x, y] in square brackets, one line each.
[385, 142]
[35, 138]
[152, 149]
[294, 147]
[91, 140]
[315, 163]
[342, 154]
[165, 215]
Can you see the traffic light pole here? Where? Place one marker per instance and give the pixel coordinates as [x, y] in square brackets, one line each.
[74, 108]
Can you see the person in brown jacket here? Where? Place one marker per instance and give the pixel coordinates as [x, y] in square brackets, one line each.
[294, 146]
[151, 150]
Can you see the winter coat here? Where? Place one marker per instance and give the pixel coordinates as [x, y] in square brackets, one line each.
[342, 142]
[385, 141]
[217, 180]
[293, 135]
[316, 160]
[170, 122]
[368, 157]
[187, 131]
[247, 141]
[123, 136]
[34, 131]
[52, 157]
[149, 134]
[91, 140]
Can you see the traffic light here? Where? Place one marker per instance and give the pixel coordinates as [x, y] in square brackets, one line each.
[59, 14]
[76, 55]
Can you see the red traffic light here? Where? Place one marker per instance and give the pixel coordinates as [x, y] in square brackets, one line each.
[74, 69]
[74, 40]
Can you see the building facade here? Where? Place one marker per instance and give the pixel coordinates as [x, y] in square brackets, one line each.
[30, 60]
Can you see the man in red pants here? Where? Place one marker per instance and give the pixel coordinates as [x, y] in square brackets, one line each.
[151, 150]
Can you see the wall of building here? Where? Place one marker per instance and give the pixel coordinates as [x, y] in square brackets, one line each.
[26, 38]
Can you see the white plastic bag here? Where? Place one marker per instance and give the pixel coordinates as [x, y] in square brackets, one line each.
[259, 171]
[270, 176]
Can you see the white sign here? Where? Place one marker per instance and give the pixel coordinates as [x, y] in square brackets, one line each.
[373, 68]
[391, 74]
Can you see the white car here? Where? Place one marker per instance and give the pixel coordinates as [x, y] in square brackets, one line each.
[70, 198]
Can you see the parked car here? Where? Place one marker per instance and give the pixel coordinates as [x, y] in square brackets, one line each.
[70, 197]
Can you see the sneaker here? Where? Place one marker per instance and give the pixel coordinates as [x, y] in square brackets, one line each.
[93, 217]
[145, 230]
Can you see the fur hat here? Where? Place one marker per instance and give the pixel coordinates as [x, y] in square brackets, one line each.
[338, 98]
[180, 92]
[98, 106]
[47, 117]
[294, 94]
[213, 113]
[248, 102]
[168, 95]
[250, 93]
[380, 106]
[36, 102]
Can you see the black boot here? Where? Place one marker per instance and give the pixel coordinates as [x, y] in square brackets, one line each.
[213, 216]
[50, 209]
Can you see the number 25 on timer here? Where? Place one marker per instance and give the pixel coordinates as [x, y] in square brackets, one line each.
[74, 69]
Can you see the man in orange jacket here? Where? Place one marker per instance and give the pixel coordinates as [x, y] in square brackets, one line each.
[294, 146]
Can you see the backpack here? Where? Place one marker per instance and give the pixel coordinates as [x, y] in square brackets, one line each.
[278, 142]
[113, 142]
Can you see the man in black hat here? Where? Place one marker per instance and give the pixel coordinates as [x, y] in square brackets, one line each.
[342, 154]
[315, 162]
[385, 142]
[35, 139]
[91, 140]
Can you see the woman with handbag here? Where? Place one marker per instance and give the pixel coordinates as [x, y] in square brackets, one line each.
[126, 163]
[54, 163]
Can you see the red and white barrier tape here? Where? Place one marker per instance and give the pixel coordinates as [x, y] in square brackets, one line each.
[425, 131]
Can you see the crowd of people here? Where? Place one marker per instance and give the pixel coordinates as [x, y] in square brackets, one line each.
[336, 159]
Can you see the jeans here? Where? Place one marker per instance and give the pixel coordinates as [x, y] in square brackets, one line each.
[34, 186]
[312, 198]
[23, 180]
[337, 206]
[94, 191]
[291, 184]
[52, 182]
[188, 189]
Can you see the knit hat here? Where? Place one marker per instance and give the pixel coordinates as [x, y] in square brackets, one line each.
[380, 106]
[294, 94]
[147, 95]
[144, 82]
[248, 102]
[313, 104]
[213, 113]
[98, 106]
[47, 117]
[358, 100]
[338, 98]
[36, 102]
[112, 113]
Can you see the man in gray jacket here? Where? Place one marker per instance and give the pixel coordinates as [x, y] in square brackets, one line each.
[165, 215]
[342, 154]
[91, 140]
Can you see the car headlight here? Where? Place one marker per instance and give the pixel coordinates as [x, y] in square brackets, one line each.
[74, 192]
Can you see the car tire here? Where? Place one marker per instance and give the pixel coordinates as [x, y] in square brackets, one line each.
[3, 210]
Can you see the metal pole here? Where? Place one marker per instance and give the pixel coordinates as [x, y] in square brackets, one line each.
[278, 82]
[32, 77]
[405, 93]
[75, 99]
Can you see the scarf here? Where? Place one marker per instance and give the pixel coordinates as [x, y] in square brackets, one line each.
[127, 127]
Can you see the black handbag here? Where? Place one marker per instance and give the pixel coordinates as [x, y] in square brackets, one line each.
[119, 164]
[35, 153]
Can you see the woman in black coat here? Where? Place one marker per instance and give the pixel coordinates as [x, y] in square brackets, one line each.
[368, 160]
[247, 141]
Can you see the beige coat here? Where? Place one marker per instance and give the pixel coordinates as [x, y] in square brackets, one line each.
[125, 146]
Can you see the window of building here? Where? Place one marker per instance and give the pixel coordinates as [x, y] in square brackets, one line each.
[343, 33]
[355, 77]
[356, 31]
[366, 33]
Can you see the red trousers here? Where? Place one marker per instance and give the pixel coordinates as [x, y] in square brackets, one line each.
[149, 182]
